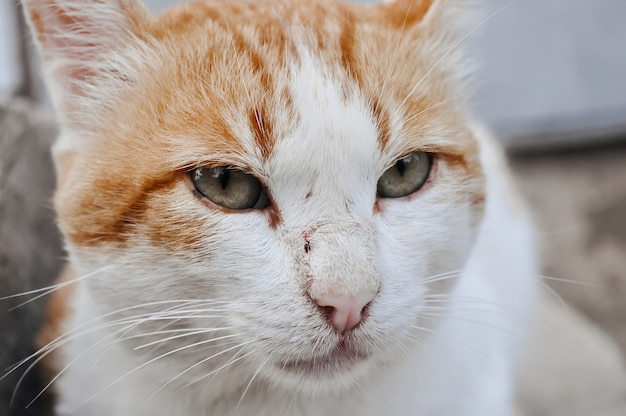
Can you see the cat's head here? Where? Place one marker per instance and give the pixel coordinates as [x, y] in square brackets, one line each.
[288, 178]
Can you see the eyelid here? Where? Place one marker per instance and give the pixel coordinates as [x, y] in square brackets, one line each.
[432, 155]
[216, 164]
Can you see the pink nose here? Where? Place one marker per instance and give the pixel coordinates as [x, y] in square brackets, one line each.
[345, 312]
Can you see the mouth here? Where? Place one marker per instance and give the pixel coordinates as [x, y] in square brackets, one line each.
[340, 359]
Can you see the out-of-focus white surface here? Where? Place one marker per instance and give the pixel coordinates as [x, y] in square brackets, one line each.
[10, 71]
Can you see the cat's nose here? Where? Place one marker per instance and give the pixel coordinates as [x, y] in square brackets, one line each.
[345, 312]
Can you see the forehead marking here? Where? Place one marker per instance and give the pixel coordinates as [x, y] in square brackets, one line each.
[333, 151]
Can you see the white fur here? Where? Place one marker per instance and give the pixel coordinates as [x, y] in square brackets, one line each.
[247, 285]
[464, 367]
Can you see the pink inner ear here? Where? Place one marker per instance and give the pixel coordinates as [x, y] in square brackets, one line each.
[76, 39]
[50, 20]
[63, 35]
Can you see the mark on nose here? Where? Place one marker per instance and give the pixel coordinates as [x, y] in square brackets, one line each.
[345, 312]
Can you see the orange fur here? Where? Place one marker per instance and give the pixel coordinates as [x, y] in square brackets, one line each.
[218, 63]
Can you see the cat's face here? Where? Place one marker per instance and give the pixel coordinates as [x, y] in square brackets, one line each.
[309, 104]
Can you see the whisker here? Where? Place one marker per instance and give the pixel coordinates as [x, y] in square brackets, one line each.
[192, 367]
[433, 316]
[294, 396]
[432, 107]
[79, 330]
[232, 360]
[249, 384]
[50, 289]
[152, 361]
[463, 344]
[158, 316]
[31, 292]
[442, 276]
[209, 330]
[557, 297]
[429, 300]
[214, 372]
[51, 347]
[62, 371]
[570, 281]
[64, 339]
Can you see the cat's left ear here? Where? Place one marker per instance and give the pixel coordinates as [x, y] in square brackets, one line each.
[89, 49]
[409, 14]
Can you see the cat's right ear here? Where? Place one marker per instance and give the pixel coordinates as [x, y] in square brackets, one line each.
[89, 50]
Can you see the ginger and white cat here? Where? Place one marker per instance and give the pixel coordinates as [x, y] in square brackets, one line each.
[278, 208]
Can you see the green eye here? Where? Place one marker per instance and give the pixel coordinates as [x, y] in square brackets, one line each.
[405, 177]
[230, 188]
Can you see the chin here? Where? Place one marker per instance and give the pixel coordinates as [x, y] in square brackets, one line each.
[331, 374]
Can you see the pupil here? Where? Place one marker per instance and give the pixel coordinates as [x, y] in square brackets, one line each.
[223, 177]
[401, 166]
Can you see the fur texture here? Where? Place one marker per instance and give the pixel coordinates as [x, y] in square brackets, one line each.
[184, 307]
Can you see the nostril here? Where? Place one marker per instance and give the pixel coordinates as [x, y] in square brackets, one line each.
[365, 309]
[327, 311]
[345, 313]
[307, 243]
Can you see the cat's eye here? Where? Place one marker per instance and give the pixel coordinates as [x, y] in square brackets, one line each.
[230, 188]
[406, 176]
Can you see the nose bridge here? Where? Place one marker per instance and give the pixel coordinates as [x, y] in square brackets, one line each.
[342, 260]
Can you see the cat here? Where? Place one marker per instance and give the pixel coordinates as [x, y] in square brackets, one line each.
[278, 207]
